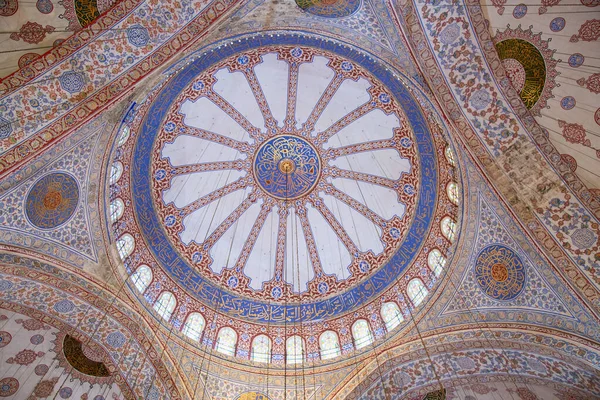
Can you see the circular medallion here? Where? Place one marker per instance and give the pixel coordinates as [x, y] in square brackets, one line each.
[36, 339]
[8, 7]
[499, 272]
[287, 167]
[5, 338]
[52, 200]
[520, 11]
[262, 183]
[8, 387]
[557, 24]
[568, 102]
[65, 392]
[576, 60]
[41, 369]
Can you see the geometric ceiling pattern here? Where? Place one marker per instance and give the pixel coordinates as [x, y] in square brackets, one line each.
[299, 200]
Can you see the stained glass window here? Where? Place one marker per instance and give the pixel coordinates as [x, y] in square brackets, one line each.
[116, 209]
[450, 156]
[116, 170]
[416, 291]
[452, 190]
[226, 341]
[436, 261]
[362, 334]
[294, 350]
[391, 314]
[165, 305]
[142, 277]
[330, 345]
[124, 136]
[125, 245]
[261, 349]
[448, 228]
[194, 325]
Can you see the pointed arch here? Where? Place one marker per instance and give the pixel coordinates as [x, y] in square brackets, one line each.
[449, 153]
[142, 277]
[116, 208]
[261, 349]
[125, 246]
[194, 326]
[165, 305]
[448, 226]
[124, 135]
[116, 170]
[294, 347]
[226, 341]
[391, 315]
[416, 291]
[361, 333]
[436, 261]
[452, 192]
[329, 345]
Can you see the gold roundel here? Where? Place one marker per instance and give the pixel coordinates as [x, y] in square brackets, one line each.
[499, 272]
[287, 167]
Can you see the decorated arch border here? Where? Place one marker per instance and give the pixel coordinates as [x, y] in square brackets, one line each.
[118, 334]
[465, 356]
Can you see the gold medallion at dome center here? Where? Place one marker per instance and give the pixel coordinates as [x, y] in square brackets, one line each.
[287, 166]
[52, 200]
[499, 272]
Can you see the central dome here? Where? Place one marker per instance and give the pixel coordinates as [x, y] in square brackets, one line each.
[284, 178]
[285, 173]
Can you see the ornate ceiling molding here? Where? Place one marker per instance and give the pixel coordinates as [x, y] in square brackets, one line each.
[89, 313]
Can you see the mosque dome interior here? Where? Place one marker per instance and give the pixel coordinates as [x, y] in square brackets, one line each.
[300, 200]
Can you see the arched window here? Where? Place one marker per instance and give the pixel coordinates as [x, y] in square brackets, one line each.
[450, 156]
[391, 314]
[194, 325]
[116, 209]
[294, 347]
[261, 349]
[448, 228]
[226, 341]
[142, 277]
[452, 191]
[165, 305]
[436, 261]
[416, 291]
[125, 245]
[116, 170]
[123, 136]
[329, 345]
[362, 334]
